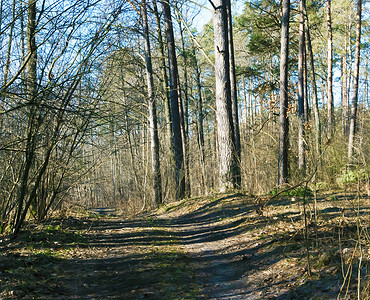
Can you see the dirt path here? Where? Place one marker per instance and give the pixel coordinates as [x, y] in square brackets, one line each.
[216, 248]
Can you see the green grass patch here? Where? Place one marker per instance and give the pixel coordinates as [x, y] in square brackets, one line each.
[297, 192]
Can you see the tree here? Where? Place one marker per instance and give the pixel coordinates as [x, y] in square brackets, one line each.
[301, 90]
[200, 118]
[46, 118]
[223, 96]
[166, 98]
[344, 91]
[352, 128]
[330, 72]
[234, 98]
[315, 101]
[156, 170]
[184, 104]
[31, 88]
[284, 123]
[175, 109]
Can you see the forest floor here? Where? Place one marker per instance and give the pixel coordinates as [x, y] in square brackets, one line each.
[217, 247]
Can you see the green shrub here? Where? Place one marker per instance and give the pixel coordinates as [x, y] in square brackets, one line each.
[297, 192]
[349, 177]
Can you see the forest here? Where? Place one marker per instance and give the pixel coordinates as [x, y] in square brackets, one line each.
[148, 137]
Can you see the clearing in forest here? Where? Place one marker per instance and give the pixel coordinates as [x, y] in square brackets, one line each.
[218, 247]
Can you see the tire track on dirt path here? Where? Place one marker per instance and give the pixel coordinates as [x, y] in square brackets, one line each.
[215, 240]
[201, 248]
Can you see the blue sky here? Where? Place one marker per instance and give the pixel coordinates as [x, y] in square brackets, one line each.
[206, 14]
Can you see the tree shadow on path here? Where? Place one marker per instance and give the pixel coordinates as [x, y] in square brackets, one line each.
[219, 249]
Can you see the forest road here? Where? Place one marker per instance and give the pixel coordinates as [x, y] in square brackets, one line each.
[203, 248]
[198, 252]
[218, 249]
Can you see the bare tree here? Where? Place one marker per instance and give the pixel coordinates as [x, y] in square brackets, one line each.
[31, 87]
[301, 91]
[234, 98]
[157, 185]
[164, 78]
[352, 128]
[284, 123]
[175, 109]
[315, 102]
[330, 72]
[200, 118]
[344, 90]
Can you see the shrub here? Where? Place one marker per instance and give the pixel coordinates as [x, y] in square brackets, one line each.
[349, 177]
[297, 192]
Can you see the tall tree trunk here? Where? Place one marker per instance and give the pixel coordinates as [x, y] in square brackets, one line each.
[200, 120]
[184, 139]
[366, 83]
[184, 114]
[22, 37]
[9, 50]
[352, 127]
[315, 102]
[245, 101]
[174, 95]
[112, 158]
[156, 170]
[234, 98]
[349, 66]
[250, 100]
[344, 91]
[166, 101]
[305, 82]
[223, 96]
[301, 93]
[31, 92]
[1, 19]
[330, 73]
[284, 122]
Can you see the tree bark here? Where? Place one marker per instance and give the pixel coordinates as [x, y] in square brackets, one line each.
[153, 126]
[305, 81]
[174, 94]
[315, 102]
[9, 50]
[344, 90]
[301, 93]
[184, 139]
[200, 120]
[166, 101]
[353, 119]
[366, 83]
[184, 116]
[31, 92]
[234, 99]
[223, 96]
[344, 94]
[284, 122]
[330, 73]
